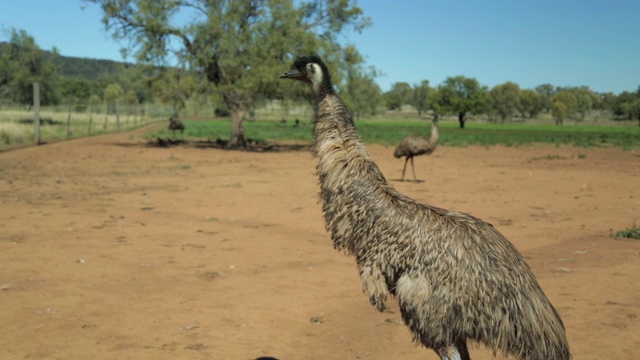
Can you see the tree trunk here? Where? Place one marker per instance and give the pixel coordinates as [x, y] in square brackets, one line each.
[461, 119]
[238, 109]
[236, 139]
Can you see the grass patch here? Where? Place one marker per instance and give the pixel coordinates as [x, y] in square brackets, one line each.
[15, 134]
[629, 233]
[390, 132]
[16, 126]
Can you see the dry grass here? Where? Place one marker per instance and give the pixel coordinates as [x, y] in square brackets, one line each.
[16, 126]
[12, 133]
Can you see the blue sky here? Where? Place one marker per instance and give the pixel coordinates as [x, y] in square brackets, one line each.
[595, 43]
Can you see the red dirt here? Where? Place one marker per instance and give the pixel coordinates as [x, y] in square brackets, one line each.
[113, 250]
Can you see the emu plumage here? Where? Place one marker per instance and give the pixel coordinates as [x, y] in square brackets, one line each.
[455, 277]
[416, 145]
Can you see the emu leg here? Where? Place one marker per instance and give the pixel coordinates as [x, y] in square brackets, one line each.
[458, 351]
[405, 167]
[414, 171]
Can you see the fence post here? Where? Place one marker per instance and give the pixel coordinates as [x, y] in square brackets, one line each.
[106, 115]
[69, 122]
[90, 118]
[118, 115]
[36, 113]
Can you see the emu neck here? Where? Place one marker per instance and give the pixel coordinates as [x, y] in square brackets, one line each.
[351, 184]
[336, 139]
[433, 138]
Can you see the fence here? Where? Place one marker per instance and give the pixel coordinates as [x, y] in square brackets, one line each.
[18, 125]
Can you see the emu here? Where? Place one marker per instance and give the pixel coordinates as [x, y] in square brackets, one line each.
[176, 125]
[455, 277]
[415, 145]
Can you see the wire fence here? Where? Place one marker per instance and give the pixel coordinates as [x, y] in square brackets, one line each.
[68, 121]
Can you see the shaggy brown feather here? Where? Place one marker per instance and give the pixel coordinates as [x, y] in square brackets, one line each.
[454, 276]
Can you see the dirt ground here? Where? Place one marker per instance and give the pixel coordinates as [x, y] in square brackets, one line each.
[110, 249]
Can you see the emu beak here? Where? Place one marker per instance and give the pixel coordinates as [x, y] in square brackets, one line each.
[292, 74]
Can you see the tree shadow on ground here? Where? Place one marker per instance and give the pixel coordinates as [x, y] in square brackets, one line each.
[249, 145]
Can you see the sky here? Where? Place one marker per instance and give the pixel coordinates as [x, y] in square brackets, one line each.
[593, 43]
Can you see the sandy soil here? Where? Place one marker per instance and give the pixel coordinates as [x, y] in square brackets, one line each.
[110, 249]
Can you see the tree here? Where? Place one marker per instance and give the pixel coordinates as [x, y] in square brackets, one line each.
[433, 102]
[631, 110]
[112, 95]
[585, 100]
[608, 101]
[627, 105]
[420, 96]
[361, 93]
[558, 111]
[400, 94]
[530, 103]
[569, 102]
[546, 91]
[23, 64]
[239, 46]
[506, 99]
[175, 87]
[75, 88]
[462, 95]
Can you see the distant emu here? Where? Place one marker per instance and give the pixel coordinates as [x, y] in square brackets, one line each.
[455, 277]
[415, 145]
[175, 125]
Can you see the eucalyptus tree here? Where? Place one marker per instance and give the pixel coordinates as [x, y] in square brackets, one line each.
[400, 94]
[506, 99]
[238, 45]
[420, 96]
[24, 63]
[360, 92]
[531, 103]
[586, 100]
[175, 87]
[569, 104]
[462, 95]
[546, 91]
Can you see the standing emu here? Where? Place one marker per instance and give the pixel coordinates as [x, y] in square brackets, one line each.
[415, 145]
[176, 125]
[455, 277]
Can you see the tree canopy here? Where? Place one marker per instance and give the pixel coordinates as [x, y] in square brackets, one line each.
[462, 95]
[239, 46]
[22, 64]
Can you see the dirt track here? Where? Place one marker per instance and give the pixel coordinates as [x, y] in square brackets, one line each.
[113, 250]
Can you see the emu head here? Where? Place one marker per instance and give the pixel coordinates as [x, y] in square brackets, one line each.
[310, 69]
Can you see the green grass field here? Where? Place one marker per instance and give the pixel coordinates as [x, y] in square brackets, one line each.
[389, 132]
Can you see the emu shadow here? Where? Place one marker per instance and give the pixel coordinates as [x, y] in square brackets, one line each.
[417, 181]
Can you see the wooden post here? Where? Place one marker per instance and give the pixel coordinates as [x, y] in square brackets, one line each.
[106, 115]
[118, 115]
[90, 118]
[36, 113]
[69, 122]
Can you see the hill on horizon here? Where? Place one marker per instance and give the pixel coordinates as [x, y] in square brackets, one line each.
[79, 67]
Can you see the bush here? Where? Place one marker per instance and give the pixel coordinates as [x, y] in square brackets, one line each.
[630, 233]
